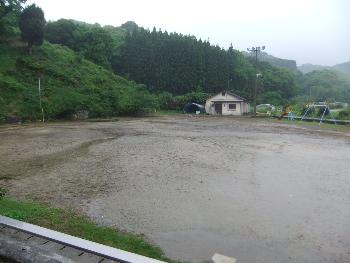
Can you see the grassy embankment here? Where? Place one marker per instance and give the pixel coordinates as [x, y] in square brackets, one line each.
[69, 83]
[69, 222]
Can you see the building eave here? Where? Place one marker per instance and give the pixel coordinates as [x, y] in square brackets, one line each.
[227, 101]
[230, 93]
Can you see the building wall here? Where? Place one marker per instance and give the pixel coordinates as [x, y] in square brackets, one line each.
[241, 106]
[227, 111]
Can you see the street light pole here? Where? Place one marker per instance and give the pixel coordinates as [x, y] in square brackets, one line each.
[41, 107]
[256, 50]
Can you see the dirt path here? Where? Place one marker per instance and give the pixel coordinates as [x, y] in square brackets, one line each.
[255, 190]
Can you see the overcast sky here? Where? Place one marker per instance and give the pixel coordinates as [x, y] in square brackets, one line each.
[308, 31]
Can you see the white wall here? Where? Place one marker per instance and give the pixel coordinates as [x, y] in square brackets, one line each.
[210, 108]
[241, 106]
[227, 111]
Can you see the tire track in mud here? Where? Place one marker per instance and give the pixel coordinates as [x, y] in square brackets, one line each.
[44, 163]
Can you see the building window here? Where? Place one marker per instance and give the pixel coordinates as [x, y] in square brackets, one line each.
[232, 106]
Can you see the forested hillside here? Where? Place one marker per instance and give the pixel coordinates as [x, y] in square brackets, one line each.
[325, 85]
[80, 69]
[96, 43]
[179, 64]
[343, 68]
[171, 62]
[277, 62]
[69, 83]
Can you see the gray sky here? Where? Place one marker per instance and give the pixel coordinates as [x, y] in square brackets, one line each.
[308, 31]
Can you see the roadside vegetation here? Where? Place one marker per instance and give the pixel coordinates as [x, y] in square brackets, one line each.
[71, 223]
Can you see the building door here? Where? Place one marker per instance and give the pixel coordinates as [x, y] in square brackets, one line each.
[218, 108]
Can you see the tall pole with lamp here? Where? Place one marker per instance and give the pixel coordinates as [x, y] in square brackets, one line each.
[256, 50]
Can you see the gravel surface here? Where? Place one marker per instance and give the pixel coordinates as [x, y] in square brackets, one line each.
[256, 190]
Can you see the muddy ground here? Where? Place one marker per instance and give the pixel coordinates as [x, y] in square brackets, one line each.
[255, 190]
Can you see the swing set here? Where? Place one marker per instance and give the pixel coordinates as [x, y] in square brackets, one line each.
[323, 107]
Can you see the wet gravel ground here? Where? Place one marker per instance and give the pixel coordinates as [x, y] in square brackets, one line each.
[256, 190]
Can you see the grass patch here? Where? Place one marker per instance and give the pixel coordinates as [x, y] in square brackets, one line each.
[71, 223]
[325, 126]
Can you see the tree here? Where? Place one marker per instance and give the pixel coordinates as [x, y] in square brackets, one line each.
[9, 11]
[31, 24]
[130, 26]
[95, 44]
[60, 32]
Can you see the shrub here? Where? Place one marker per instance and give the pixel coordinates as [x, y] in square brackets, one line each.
[344, 114]
[2, 192]
[166, 100]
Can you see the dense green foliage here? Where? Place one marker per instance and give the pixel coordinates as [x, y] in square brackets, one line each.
[96, 43]
[343, 68]
[344, 114]
[167, 101]
[325, 85]
[9, 12]
[61, 32]
[68, 222]
[176, 63]
[277, 85]
[173, 63]
[69, 84]
[130, 26]
[31, 24]
[180, 64]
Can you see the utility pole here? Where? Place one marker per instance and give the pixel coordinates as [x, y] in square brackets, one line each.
[228, 84]
[256, 50]
[41, 107]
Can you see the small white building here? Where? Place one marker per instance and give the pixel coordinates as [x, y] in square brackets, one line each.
[226, 103]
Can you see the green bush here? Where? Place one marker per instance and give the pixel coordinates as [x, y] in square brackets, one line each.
[344, 114]
[166, 100]
[2, 192]
[271, 97]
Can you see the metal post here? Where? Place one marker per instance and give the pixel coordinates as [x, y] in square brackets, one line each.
[307, 110]
[41, 107]
[323, 115]
[256, 78]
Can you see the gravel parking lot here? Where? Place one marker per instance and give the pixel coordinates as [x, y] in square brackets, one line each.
[257, 190]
